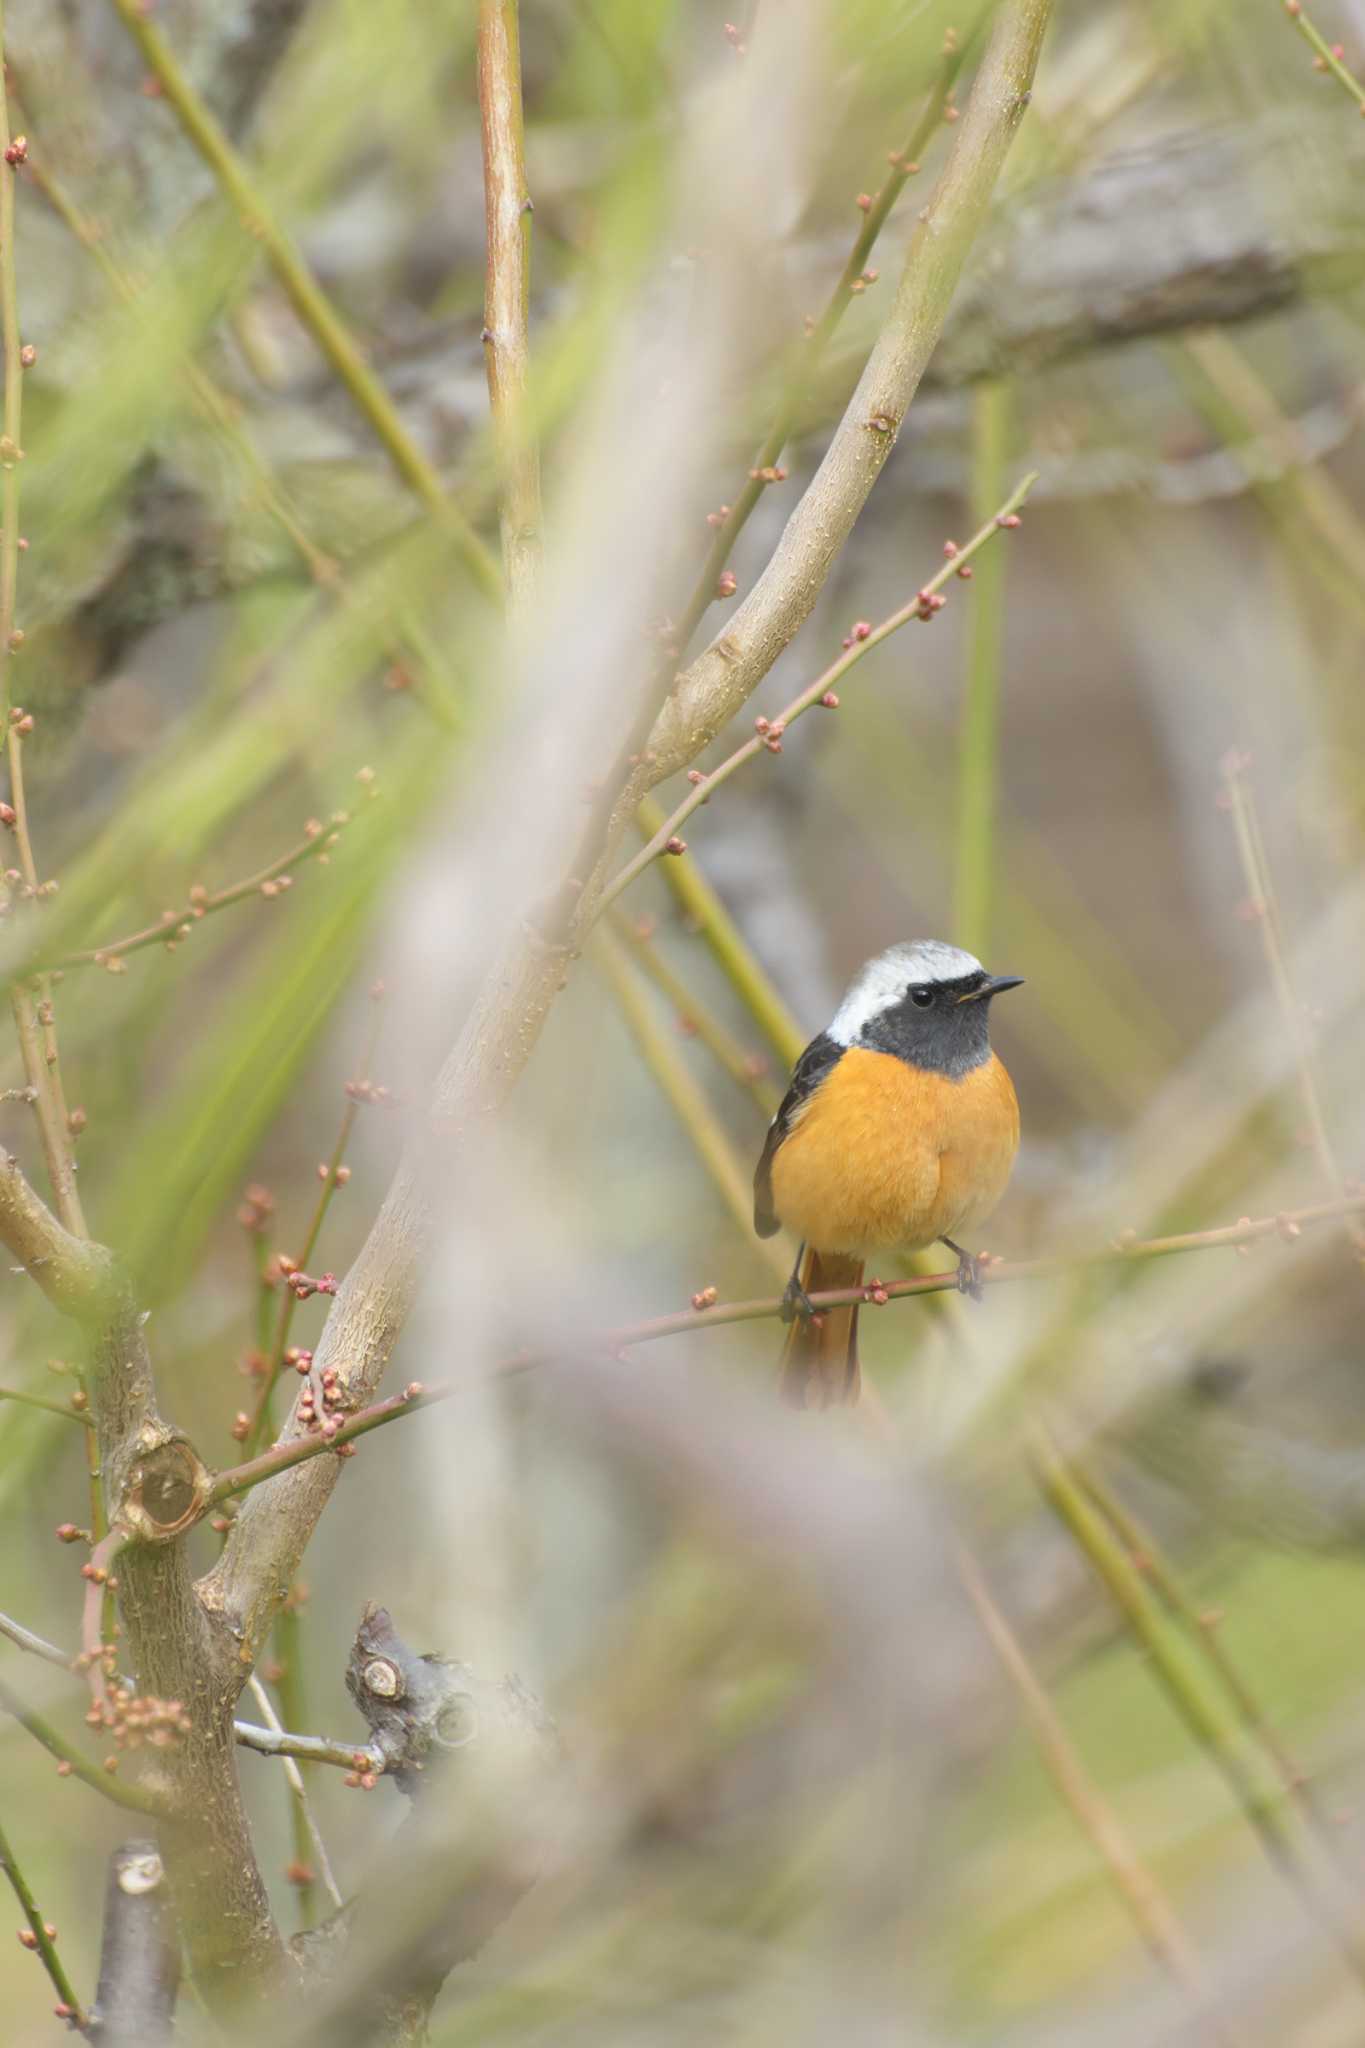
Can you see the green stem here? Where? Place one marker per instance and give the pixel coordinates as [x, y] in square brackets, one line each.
[78, 1766]
[686, 1098]
[979, 745]
[703, 908]
[44, 1947]
[1207, 1723]
[1326, 55]
[747, 1070]
[311, 304]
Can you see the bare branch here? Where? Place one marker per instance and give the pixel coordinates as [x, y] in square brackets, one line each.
[708, 693]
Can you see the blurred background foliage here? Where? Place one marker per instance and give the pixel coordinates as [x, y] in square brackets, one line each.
[241, 618]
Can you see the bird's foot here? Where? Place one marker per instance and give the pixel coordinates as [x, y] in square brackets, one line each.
[969, 1271]
[796, 1302]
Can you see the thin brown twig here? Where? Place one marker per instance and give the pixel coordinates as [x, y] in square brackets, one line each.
[706, 695]
[32, 1007]
[274, 1365]
[625, 774]
[297, 1450]
[507, 293]
[852, 280]
[175, 925]
[768, 737]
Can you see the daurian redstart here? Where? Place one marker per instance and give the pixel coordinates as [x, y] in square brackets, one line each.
[899, 1130]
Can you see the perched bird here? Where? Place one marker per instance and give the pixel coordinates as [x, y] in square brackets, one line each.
[899, 1129]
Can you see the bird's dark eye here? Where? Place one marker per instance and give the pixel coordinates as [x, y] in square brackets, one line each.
[921, 997]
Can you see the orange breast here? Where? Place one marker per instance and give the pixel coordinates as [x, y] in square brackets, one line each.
[886, 1158]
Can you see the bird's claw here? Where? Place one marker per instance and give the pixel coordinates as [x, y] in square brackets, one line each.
[796, 1302]
[970, 1267]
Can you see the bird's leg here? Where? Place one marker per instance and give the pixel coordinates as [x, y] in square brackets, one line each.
[795, 1300]
[968, 1271]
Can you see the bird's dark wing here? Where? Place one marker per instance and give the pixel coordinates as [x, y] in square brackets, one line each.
[810, 1070]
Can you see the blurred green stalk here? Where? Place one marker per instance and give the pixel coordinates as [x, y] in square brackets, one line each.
[979, 740]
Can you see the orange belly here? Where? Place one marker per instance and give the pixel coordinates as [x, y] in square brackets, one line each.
[886, 1158]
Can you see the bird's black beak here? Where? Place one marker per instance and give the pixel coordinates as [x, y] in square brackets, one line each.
[993, 985]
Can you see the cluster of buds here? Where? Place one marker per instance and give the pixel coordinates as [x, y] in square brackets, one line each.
[17, 153]
[927, 602]
[770, 732]
[952, 550]
[718, 517]
[275, 885]
[322, 1414]
[876, 1293]
[861, 629]
[696, 776]
[364, 1777]
[864, 202]
[734, 36]
[31, 892]
[706, 1297]
[257, 1208]
[367, 1091]
[330, 832]
[830, 700]
[771, 473]
[301, 1285]
[300, 1358]
[21, 720]
[336, 1175]
[906, 165]
[28, 1939]
[861, 283]
[726, 583]
[134, 1719]
[675, 846]
[1008, 522]
[67, 1532]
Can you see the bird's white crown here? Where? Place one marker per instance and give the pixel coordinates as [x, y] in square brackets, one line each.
[882, 982]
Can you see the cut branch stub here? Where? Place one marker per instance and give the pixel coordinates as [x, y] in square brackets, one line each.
[167, 1487]
[421, 1708]
[140, 1953]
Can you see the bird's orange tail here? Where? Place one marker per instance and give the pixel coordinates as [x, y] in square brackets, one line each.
[820, 1357]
